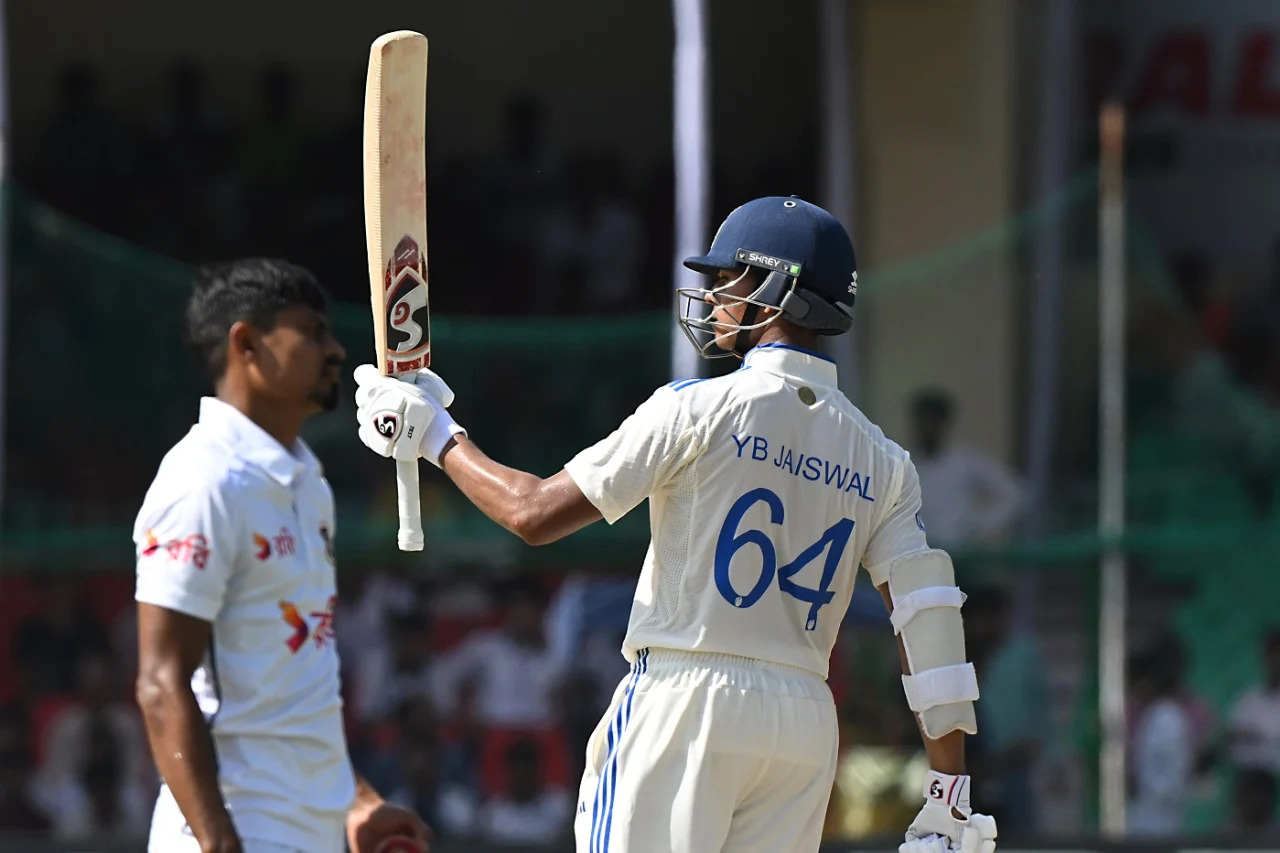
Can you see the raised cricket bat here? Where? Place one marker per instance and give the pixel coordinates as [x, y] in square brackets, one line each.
[395, 218]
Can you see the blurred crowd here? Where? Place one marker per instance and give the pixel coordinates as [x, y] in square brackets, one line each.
[198, 186]
[470, 700]
[548, 231]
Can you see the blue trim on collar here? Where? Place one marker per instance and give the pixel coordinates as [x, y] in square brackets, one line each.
[804, 350]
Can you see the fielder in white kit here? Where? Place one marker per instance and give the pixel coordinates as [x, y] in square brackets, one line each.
[238, 676]
[767, 488]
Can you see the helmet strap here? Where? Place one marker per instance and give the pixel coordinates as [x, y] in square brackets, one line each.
[742, 340]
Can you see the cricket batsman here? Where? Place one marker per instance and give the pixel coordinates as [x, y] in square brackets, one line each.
[767, 488]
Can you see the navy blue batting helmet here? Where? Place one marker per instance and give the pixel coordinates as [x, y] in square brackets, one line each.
[812, 274]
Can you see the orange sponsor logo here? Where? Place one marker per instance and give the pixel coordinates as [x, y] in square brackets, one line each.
[322, 632]
[282, 545]
[192, 548]
[289, 612]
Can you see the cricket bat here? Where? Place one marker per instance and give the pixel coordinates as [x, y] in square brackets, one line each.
[395, 218]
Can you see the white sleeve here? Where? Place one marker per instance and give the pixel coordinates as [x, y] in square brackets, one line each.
[619, 472]
[186, 551]
[900, 532]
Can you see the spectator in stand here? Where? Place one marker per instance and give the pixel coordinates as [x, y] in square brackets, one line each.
[51, 643]
[1253, 805]
[422, 773]
[968, 496]
[18, 810]
[80, 164]
[527, 812]
[1162, 747]
[388, 674]
[1254, 728]
[95, 775]
[100, 802]
[1010, 739]
[504, 678]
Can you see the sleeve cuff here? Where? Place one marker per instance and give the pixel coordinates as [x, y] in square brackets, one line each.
[179, 600]
[592, 489]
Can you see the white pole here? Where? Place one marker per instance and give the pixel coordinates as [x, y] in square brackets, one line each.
[1111, 473]
[838, 186]
[692, 140]
[4, 236]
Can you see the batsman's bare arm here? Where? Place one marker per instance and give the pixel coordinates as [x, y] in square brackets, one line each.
[170, 647]
[946, 754]
[538, 511]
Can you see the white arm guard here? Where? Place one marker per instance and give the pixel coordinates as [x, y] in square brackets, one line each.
[942, 685]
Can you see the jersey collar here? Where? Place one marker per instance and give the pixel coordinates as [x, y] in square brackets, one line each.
[799, 363]
[252, 443]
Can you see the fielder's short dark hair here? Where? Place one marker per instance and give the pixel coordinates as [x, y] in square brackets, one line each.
[254, 290]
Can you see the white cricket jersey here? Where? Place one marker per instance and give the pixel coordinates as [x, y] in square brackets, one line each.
[238, 531]
[766, 488]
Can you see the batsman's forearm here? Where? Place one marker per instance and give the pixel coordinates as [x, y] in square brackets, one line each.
[183, 750]
[946, 754]
[507, 496]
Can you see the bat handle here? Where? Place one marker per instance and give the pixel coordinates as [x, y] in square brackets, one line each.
[408, 500]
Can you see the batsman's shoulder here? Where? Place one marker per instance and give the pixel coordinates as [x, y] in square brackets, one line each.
[702, 390]
[685, 402]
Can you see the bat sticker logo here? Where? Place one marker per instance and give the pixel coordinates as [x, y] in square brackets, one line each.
[406, 284]
[387, 424]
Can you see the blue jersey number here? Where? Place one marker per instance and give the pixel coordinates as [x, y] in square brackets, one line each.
[833, 541]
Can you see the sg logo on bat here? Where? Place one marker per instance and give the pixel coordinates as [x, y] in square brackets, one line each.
[407, 323]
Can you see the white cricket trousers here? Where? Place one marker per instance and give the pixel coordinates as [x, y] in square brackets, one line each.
[700, 753]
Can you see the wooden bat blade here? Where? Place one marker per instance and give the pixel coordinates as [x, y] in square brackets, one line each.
[395, 180]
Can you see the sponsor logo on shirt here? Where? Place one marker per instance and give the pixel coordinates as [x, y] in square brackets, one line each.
[282, 545]
[320, 630]
[191, 549]
[289, 612]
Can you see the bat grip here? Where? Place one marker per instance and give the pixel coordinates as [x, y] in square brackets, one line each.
[408, 501]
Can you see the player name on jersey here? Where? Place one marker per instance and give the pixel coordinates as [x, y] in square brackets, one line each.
[842, 478]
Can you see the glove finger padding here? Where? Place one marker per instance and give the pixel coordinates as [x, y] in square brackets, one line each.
[935, 819]
[928, 844]
[431, 383]
[978, 834]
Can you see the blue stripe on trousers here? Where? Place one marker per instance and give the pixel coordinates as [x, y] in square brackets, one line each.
[602, 810]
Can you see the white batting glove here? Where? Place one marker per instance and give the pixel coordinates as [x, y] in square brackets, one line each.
[947, 824]
[405, 417]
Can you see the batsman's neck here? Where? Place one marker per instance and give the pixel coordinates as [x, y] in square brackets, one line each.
[782, 332]
[280, 422]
